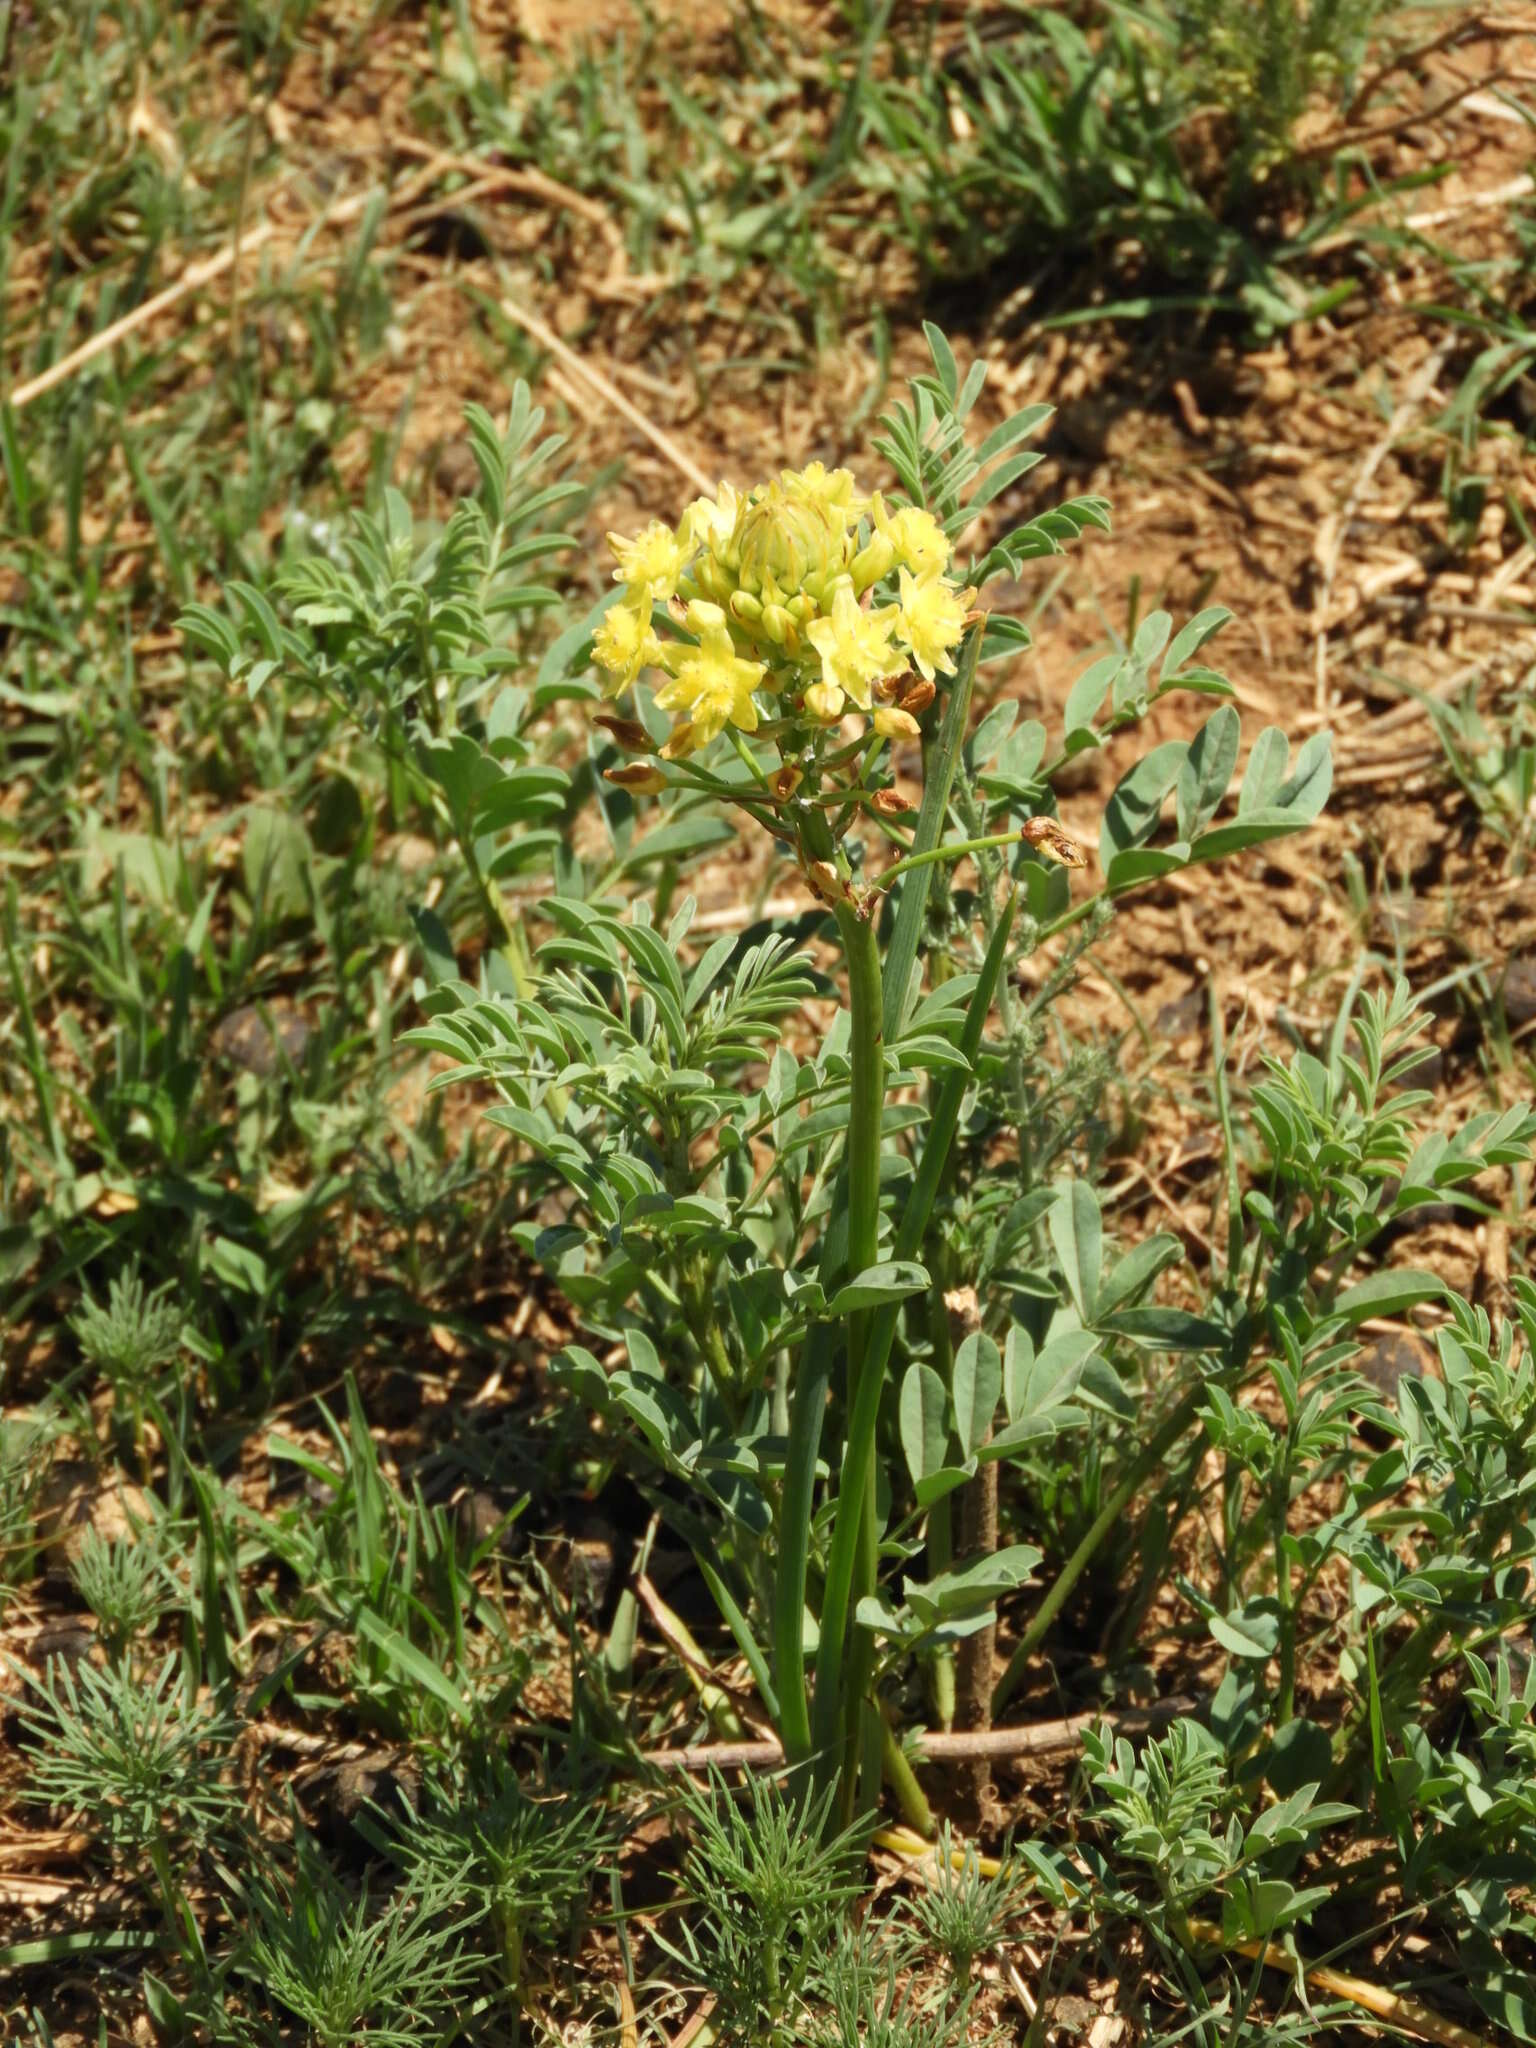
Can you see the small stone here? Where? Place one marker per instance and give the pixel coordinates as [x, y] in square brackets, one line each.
[456, 473]
[589, 1569]
[1517, 991]
[261, 1039]
[75, 1499]
[1069, 2018]
[411, 853]
[345, 1794]
[478, 1517]
[1182, 1018]
[387, 1779]
[68, 1642]
[320, 1493]
[1385, 1363]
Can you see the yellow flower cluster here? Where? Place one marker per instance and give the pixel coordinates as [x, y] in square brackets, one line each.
[772, 598]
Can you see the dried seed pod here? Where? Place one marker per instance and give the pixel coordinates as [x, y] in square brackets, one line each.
[637, 777]
[680, 744]
[890, 803]
[785, 781]
[627, 733]
[1047, 837]
[919, 697]
[827, 885]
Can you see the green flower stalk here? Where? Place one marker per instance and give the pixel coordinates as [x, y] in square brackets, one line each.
[782, 613]
[817, 620]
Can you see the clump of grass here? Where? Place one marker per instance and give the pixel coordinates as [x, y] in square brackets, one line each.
[130, 1340]
[24, 1459]
[140, 1762]
[523, 1861]
[124, 1582]
[347, 1968]
[1163, 138]
[769, 1889]
[961, 1912]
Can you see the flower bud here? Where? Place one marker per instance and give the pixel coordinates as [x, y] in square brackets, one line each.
[627, 733]
[873, 561]
[779, 625]
[892, 723]
[712, 579]
[890, 803]
[784, 539]
[744, 607]
[636, 776]
[824, 702]
[919, 696]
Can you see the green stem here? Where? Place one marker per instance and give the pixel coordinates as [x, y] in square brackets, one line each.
[796, 1509]
[1150, 1459]
[834, 1670]
[940, 1539]
[1285, 1698]
[812, 1380]
[902, 1779]
[842, 1669]
[940, 760]
[949, 851]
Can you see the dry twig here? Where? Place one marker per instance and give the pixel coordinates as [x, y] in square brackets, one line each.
[608, 391]
[196, 275]
[1330, 540]
[1038, 1738]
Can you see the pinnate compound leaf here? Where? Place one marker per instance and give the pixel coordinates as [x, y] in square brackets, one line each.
[924, 1418]
[1252, 1631]
[1207, 771]
[1078, 1235]
[1391, 1293]
[1189, 640]
[978, 1384]
[876, 1286]
[1132, 813]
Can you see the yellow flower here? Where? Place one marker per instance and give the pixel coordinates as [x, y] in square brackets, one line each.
[831, 489]
[711, 683]
[650, 564]
[624, 644]
[855, 649]
[710, 522]
[931, 619]
[917, 540]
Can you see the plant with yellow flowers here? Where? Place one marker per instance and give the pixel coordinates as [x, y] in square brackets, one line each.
[766, 609]
[766, 1230]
